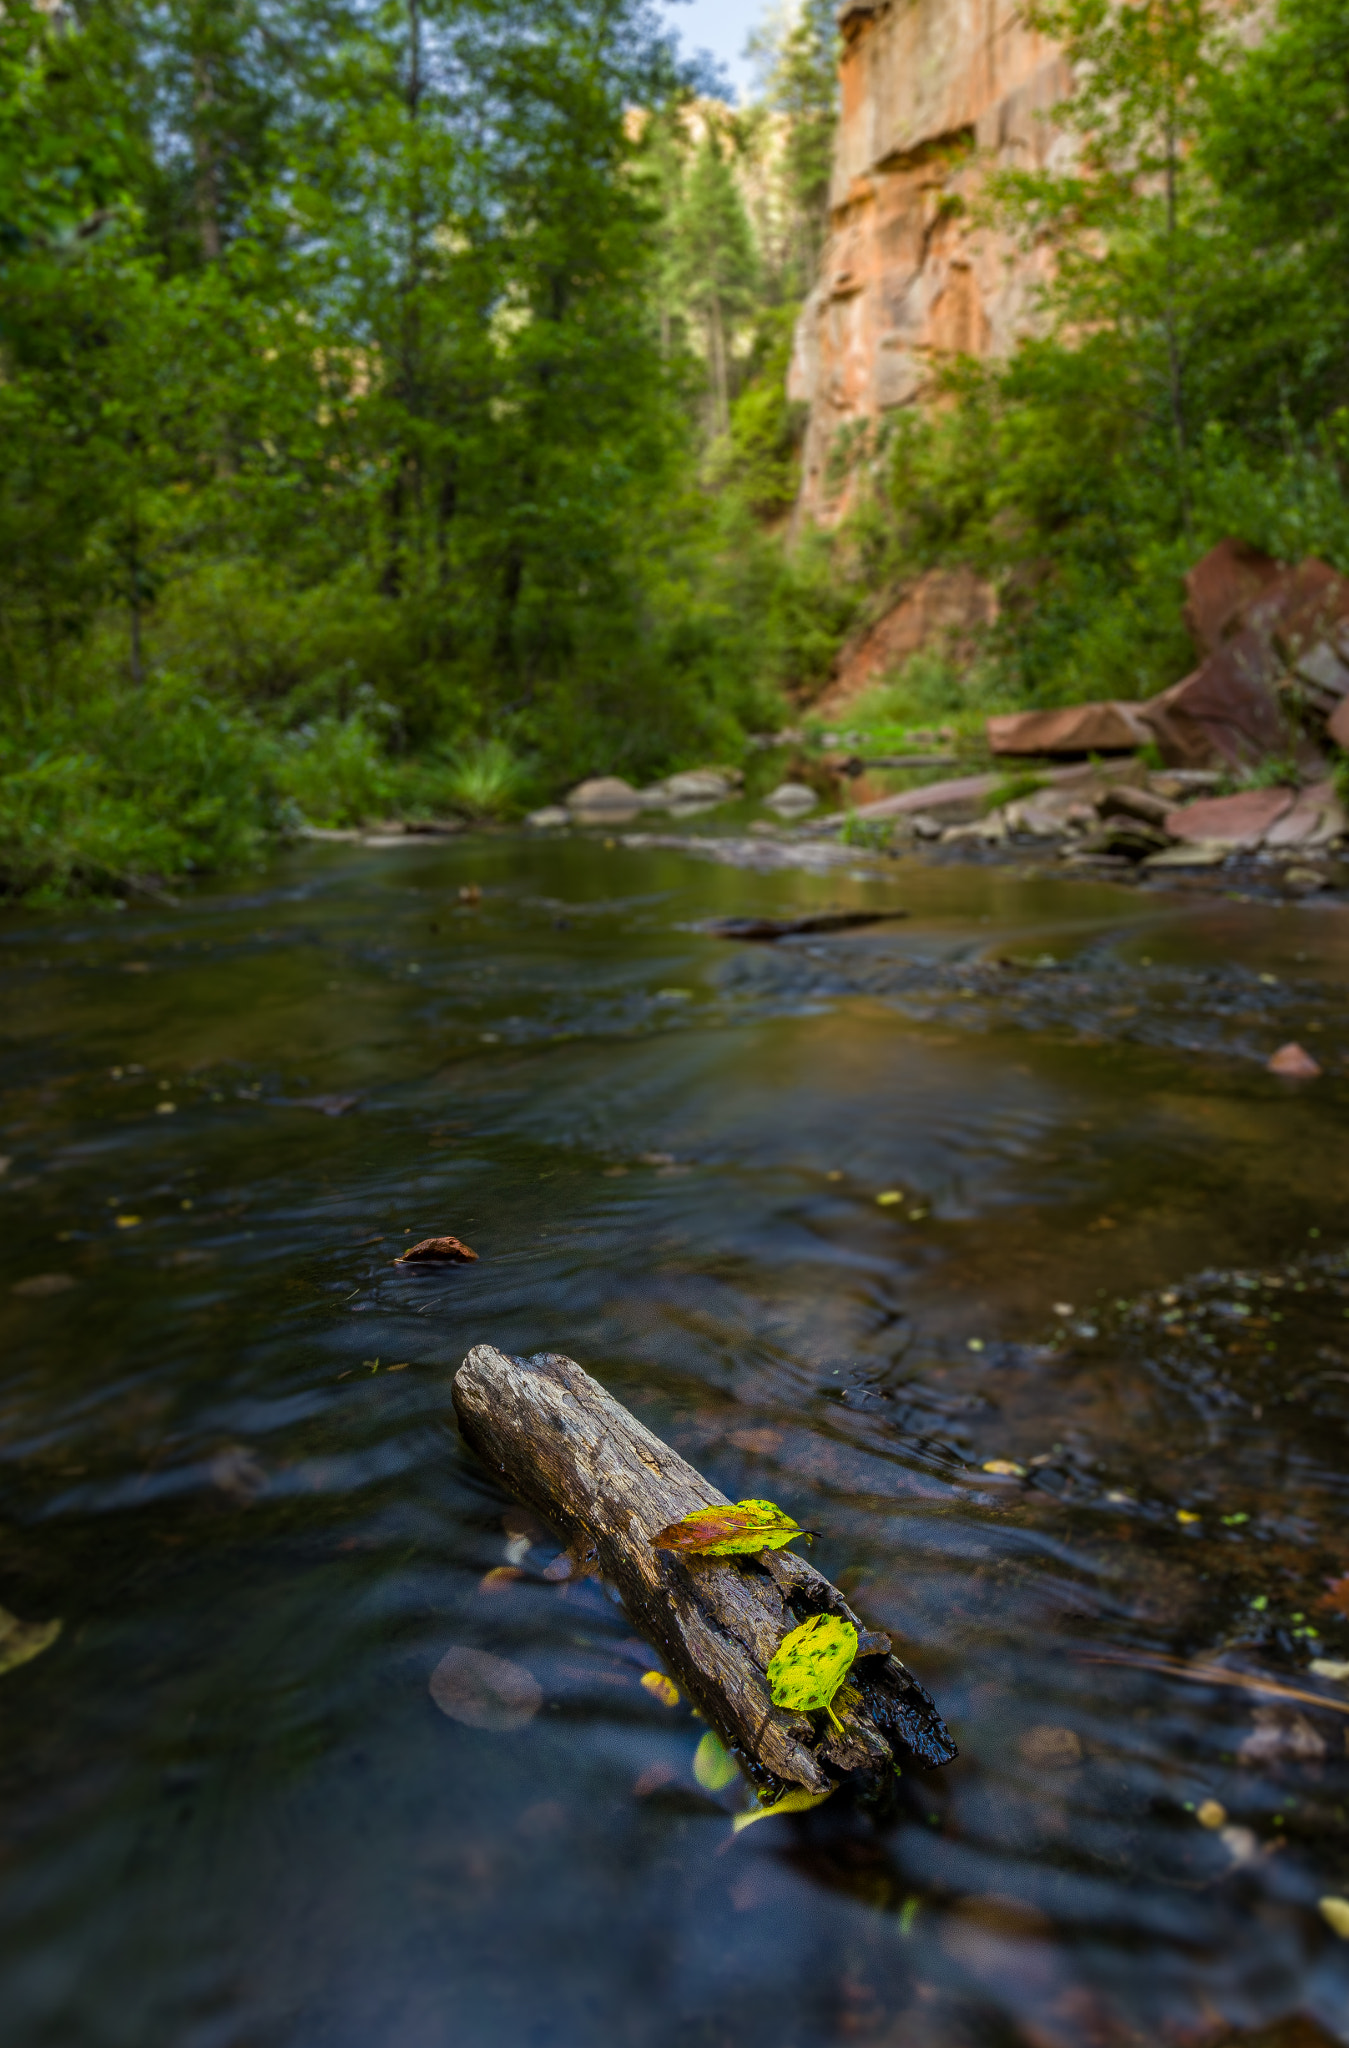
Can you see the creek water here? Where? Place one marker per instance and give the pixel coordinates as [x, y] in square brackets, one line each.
[233, 1816]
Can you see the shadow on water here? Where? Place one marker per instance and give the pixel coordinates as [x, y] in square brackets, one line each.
[1071, 1411]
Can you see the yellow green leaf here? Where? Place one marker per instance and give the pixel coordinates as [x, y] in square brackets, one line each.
[713, 1765]
[20, 1640]
[1004, 1468]
[810, 1664]
[748, 1527]
[1335, 1913]
[662, 1688]
[790, 1802]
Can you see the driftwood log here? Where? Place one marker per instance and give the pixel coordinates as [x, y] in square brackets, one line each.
[561, 1444]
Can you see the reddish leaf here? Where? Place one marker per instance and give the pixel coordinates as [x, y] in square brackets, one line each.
[1336, 1597]
[437, 1251]
[742, 1530]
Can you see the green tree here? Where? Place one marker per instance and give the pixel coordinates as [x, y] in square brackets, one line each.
[715, 264]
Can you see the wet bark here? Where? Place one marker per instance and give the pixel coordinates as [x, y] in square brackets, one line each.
[560, 1443]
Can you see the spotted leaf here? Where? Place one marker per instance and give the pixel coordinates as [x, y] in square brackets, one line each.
[810, 1664]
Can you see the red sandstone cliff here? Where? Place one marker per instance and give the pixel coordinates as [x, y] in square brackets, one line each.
[934, 93]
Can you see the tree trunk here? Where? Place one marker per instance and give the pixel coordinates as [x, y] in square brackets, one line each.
[557, 1440]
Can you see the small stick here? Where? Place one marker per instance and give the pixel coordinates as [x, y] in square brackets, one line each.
[1213, 1674]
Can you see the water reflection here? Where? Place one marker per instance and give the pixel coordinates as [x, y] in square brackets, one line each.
[233, 1814]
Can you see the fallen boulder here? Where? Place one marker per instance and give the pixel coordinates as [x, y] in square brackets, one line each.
[1076, 729]
[1227, 710]
[603, 793]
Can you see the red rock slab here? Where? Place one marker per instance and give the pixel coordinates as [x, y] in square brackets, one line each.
[1109, 728]
[1315, 817]
[962, 798]
[1220, 586]
[1337, 726]
[1240, 820]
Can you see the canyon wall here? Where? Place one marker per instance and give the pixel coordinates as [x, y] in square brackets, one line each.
[934, 92]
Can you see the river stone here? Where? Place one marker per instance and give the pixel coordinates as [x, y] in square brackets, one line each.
[551, 814]
[694, 785]
[603, 793]
[792, 796]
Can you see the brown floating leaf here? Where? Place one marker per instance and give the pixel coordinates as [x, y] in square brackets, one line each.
[437, 1251]
[1293, 1063]
[484, 1691]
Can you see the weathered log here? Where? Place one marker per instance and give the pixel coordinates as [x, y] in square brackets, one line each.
[557, 1440]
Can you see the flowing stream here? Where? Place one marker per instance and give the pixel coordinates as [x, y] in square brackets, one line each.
[233, 1816]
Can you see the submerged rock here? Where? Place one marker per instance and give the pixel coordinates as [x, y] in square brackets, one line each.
[792, 796]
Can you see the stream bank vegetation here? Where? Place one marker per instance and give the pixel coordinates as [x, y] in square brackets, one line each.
[394, 414]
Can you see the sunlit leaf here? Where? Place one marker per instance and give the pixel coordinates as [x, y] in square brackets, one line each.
[1004, 1468]
[713, 1765]
[790, 1802]
[20, 1640]
[661, 1688]
[1335, 1913]
[500, 1576]
[810, 1664]
[749, 1526]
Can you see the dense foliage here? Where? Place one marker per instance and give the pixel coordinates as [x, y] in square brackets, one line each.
[347, 460]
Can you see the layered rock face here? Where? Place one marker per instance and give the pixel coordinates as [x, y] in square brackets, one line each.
[935, 92]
